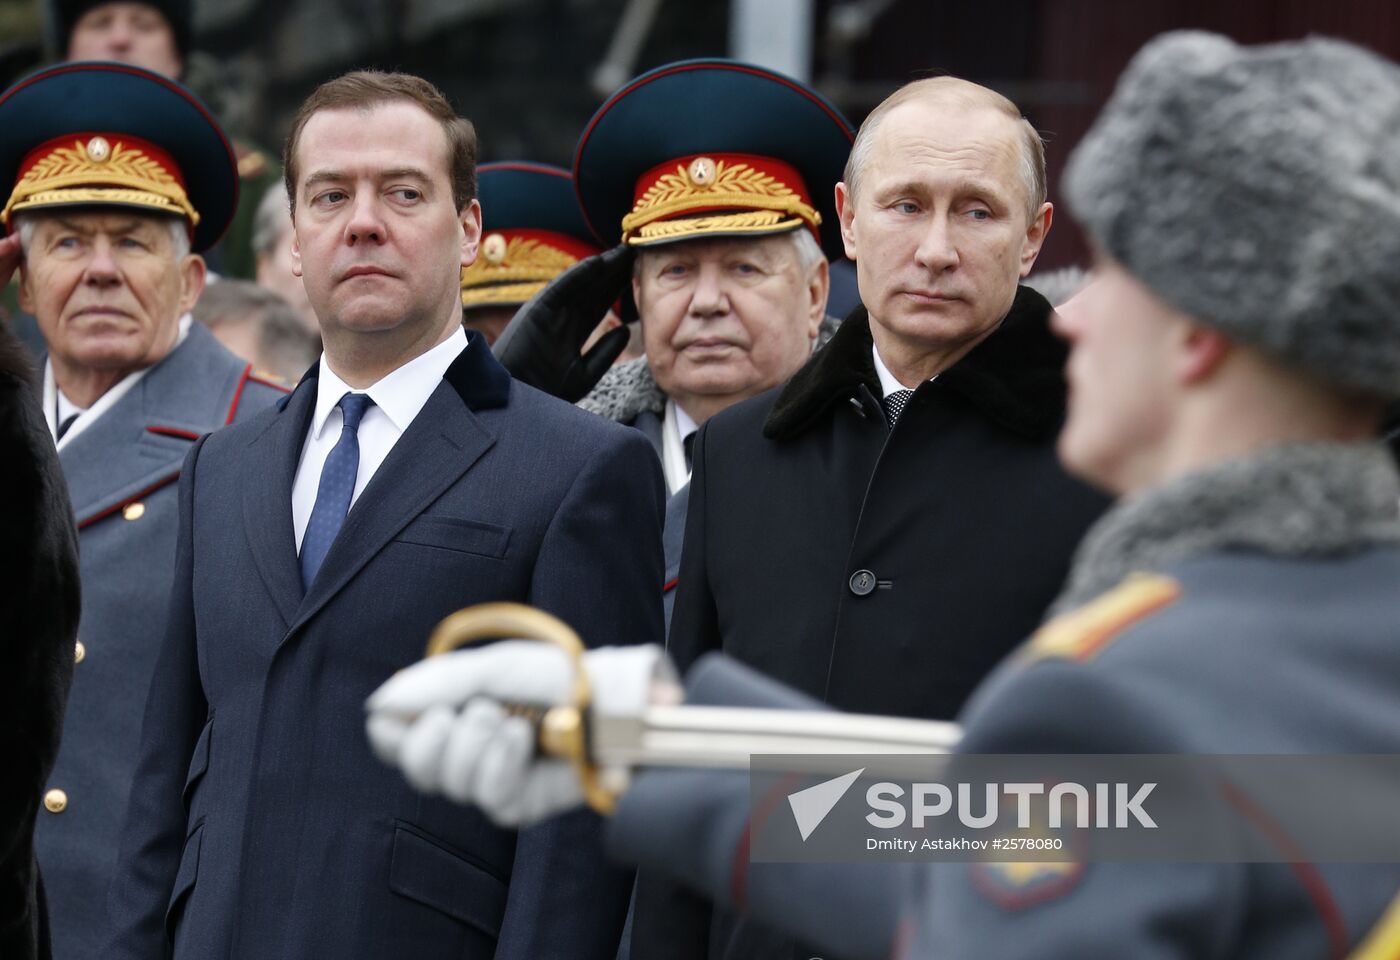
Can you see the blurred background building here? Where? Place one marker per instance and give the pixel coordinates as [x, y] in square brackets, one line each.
[529, 73]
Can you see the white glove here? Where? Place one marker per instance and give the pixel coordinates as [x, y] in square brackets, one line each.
[442, 721]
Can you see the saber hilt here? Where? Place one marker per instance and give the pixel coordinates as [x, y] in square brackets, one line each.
[563, 730]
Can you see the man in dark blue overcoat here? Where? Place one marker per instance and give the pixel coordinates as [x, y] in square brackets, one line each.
[405, 476]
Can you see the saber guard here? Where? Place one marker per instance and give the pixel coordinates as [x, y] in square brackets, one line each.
[563, 732]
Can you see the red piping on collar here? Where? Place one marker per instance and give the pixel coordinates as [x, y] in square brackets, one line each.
[129, 500]
[238, 394]
[174, 432]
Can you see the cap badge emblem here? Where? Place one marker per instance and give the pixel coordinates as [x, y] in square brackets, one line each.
[493, 248]
[702, 171]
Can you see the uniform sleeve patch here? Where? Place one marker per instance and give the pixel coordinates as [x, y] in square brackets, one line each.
[1082, 633]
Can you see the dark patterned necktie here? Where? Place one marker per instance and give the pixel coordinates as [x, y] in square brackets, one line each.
[688, 445]
[336, 488]
[895, 402]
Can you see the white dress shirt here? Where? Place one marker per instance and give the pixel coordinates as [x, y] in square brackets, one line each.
[676, 425]
[398, 398]
[888, 384]
[57, 406]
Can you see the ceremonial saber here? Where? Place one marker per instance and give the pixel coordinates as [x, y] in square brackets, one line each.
[678, 736]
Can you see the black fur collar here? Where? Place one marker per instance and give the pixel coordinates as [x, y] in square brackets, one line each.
[476, 375]
[1015, 377]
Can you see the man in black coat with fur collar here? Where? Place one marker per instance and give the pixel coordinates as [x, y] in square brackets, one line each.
[882, 530]
[38, 627]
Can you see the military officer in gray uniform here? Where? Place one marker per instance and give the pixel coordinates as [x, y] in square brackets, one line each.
[116, 179]
[1230, 366]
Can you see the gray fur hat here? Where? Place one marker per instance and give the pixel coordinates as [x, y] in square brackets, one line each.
[1258, 190]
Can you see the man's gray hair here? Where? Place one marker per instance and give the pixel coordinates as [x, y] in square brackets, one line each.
[270, 221]
[25, 224]
[966, 93]
[809, 253]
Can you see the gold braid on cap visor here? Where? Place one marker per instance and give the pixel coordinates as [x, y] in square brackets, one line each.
[125, 176]
[512, 272]
[760, 203]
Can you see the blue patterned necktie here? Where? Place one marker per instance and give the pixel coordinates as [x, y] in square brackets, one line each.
[335, 489]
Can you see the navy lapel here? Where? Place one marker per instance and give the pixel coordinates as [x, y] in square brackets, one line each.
[269, 472]
[138, 445]
[439, 446]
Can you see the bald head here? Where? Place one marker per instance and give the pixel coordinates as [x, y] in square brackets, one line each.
[958, 96]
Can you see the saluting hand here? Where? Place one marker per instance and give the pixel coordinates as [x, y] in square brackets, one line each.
[542, 343]
[10, 255]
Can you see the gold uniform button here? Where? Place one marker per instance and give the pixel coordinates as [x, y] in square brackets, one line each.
[134, 511]
[79, 652]
[55, 801]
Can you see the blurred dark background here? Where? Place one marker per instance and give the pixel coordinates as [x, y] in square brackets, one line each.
[530, 72]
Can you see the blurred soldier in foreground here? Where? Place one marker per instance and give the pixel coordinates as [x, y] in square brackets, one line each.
[38, 627]
[116, 178]
[1230, 366]
[256, 324]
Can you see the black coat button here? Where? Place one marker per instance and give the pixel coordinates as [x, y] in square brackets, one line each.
[862, 582]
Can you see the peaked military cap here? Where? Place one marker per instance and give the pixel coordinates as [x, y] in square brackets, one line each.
[532, 231]
[712, 148]
[115, 135]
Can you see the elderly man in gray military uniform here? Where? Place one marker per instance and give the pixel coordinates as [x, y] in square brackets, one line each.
[718, 175]
[115, 180]
[1230, 368]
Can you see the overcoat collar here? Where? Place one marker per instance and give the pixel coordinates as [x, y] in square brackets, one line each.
[442, 443]
[1015, 377]
[139, 444]
[1294, 500]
